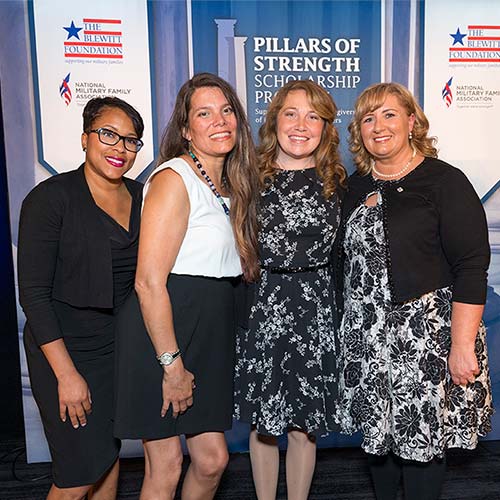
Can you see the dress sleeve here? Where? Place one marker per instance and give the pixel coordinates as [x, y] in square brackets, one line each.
[464, 236]
[39, 233]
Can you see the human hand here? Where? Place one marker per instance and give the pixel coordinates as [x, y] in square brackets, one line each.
[177, 388]
[462, 363]
[74, 398]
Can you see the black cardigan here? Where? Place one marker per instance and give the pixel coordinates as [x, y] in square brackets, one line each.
[63, 252]
[436, 232]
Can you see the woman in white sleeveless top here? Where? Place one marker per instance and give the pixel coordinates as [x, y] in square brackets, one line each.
[198, 235]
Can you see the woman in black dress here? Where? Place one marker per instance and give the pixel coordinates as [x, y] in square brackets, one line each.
[414, 373]
[78, 238]
[198, 236]
[285, 371]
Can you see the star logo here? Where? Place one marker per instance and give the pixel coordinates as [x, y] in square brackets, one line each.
[457, 37]
[72, 31]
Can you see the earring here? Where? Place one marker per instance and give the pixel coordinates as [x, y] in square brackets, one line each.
[410, 136]
[84, 149]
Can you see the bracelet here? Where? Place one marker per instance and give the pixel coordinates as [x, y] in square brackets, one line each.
[167, 358]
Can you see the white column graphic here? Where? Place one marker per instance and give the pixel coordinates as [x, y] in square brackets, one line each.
[240, 68]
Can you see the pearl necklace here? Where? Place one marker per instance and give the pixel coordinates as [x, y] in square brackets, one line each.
[203, 172]
[397, 174]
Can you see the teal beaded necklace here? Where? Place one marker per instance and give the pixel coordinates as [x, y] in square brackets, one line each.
[203, 172]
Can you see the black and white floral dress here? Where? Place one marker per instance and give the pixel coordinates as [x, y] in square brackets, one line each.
[285, 369]
[394, 382]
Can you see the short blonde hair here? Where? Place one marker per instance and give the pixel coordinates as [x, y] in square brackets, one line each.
[371, 99]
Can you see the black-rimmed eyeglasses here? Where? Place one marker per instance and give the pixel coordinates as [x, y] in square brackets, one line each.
[111, 138]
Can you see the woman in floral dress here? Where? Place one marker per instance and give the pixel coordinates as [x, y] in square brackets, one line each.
[285, 373]
[414, 375]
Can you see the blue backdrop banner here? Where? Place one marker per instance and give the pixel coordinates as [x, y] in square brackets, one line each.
[257, 46]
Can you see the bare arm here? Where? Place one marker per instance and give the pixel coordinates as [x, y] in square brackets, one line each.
[163, 227]
[462, 361]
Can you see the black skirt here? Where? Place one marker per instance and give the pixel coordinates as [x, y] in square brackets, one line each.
[204, 313]
[79, 456]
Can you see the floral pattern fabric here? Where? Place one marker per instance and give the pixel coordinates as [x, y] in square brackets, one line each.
[394, 381]
[286, 360]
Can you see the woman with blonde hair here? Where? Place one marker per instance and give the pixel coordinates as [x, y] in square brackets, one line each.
[414, 256]
[285, 372]
[198, 236]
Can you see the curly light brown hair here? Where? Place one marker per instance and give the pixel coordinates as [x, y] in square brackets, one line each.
[326, 156]
[240, 172]
[371, 99]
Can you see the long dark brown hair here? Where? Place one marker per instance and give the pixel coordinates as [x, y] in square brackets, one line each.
[326, 156]
[240, 171]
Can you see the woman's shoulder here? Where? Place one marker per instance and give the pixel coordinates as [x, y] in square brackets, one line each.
[358, 181]
[440, 170]
[179, 165]
[357, 177]
[55, 188]
[182, 177]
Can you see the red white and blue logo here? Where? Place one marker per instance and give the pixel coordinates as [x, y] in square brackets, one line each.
[447, 94]
[65, 91]
[476, 44]
[94, 39]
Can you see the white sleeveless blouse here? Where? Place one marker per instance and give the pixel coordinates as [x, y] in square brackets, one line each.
[209, 247]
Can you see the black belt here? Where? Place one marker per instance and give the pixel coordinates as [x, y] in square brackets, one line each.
[293, 270]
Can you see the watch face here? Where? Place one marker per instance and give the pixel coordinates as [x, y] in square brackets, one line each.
[166, 359]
